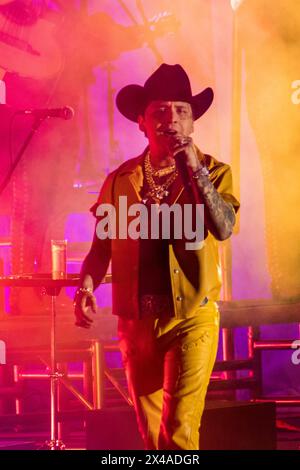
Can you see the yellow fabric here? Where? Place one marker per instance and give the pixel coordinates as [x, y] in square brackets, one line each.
[168, 364]
[194, 274]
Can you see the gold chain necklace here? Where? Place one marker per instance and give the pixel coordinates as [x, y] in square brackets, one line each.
[157, 191]
[163, 171]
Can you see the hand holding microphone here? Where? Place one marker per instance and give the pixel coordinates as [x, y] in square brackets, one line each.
[183, 151]
[187, 161]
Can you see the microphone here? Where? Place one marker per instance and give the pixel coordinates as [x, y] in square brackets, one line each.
[182, 167]
[65, 113]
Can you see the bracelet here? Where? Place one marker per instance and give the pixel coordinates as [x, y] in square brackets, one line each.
[202, 171]
[84, 290]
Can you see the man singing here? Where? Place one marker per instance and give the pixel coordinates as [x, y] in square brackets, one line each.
[164, 292]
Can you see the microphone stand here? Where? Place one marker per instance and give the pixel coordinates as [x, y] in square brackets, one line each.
[36, 124]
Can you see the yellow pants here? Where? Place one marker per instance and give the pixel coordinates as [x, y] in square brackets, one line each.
[168, 365]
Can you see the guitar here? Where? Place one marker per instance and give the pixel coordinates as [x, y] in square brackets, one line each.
[105, 39]
[27, 44]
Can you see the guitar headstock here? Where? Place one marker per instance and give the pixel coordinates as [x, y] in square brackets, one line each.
[164, 23]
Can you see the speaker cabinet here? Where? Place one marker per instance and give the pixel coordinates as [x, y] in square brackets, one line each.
[238, 426]
[225, 426]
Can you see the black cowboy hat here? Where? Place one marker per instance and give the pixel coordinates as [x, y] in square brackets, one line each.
[168, 83]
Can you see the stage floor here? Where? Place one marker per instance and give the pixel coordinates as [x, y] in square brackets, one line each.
[288, 435]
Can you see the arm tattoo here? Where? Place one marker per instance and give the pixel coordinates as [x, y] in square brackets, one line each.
[220, 215]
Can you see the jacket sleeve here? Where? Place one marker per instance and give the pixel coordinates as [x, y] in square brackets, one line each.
[97, 260]
[222, 180]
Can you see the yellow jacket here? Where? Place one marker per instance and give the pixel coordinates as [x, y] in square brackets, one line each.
[194, 274]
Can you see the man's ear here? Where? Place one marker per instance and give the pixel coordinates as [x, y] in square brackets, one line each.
[192, 128]
[141, 122]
